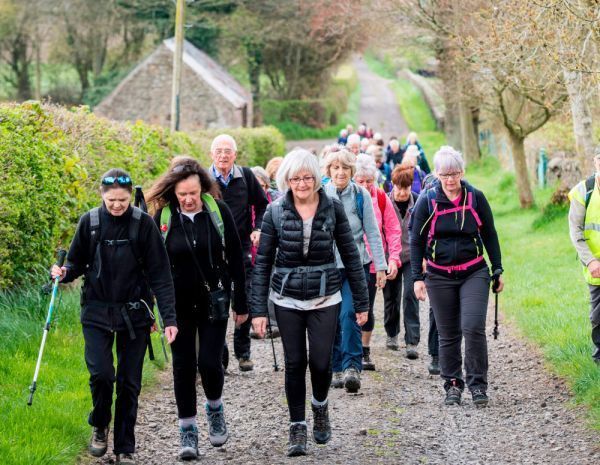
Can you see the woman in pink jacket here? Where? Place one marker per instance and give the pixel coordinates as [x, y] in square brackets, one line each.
[391, 232]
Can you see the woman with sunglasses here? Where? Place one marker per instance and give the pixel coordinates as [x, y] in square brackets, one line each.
[450, 226]
[119, 251]
[206, 259]
[296, 269]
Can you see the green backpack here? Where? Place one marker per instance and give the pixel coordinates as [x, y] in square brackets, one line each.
[213, 210]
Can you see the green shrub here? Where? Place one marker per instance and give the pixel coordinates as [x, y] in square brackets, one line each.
[51, 160]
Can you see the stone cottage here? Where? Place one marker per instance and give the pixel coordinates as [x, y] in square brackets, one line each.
[210, 97]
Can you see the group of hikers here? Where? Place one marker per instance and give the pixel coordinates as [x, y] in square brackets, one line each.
[297, 249]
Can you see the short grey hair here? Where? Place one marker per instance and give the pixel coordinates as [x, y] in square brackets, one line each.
[353, 139]
[294, 162]
[448, 159]
[262, 175]
[343, 156]
[412, 150]
[365, 166]
[223, 138]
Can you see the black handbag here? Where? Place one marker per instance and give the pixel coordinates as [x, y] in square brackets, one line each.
[219, 299]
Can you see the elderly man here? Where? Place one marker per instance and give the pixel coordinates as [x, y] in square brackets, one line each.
[394, 153]
[241, 191]
[584, 228]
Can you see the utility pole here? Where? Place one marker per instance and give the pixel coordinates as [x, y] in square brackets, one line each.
[177, 62]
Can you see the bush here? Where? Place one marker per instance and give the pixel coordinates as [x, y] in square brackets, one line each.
[51, 160]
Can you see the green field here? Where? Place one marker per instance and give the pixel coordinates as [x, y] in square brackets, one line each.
[54, 429]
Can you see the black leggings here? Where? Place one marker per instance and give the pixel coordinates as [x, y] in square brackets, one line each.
[372, 287]
[294, 325]
[207, 360]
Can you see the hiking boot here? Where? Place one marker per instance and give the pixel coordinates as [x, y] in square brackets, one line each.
[297, 444]
[351, 380]
[453, 393]
[217, 428]
[392, 342]
[189, 443]
[99, 442]
[337, 381]
[246, 364]
[480, 398]
[125, 459]
[321, 425]
[367, 364]
[411, 352]
[434, 366]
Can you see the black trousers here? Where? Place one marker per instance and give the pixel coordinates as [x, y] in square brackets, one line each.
[241, 335]
[395, 294]
[460, 308]
[130, 361]
[293, 326]
[189, 359]
[433, 339]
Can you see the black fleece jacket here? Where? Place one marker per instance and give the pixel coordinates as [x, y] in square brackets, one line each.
[455, 241]
[120, 274]
[287, 252]
[204, 239]
[243, 192]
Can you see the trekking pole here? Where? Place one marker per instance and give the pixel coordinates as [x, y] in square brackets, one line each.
[60, 262]
[275, 367]
[495, 284]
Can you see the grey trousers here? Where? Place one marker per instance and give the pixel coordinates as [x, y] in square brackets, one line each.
[460, 309]
[595, 318]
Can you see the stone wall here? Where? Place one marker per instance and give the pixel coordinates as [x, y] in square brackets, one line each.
[146, 95]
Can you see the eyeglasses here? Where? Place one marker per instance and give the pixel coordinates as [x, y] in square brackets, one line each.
[451, 175]
[120, 180]
[297, 179]
[224, 152]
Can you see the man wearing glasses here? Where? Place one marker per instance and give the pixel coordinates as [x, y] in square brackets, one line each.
[241, 191]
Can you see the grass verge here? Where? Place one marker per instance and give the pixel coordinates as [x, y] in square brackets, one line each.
[546, 295]
[54, 429]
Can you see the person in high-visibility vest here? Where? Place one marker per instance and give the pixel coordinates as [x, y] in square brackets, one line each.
[584, 228]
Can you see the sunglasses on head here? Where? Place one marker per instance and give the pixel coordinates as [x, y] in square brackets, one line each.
[120, 180]
[185, 167]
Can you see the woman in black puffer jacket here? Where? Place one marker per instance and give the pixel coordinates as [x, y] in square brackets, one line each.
[299, 232]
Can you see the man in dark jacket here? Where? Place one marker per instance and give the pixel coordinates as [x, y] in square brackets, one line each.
[241, 191]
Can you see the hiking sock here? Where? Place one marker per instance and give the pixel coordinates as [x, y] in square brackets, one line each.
[292, 423]
[187, 422]
[316, 403]
[214, 404]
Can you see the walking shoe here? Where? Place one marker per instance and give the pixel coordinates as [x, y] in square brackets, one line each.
[453, 393]
[351, 380]
[434, 366]
[321, 425]
[99, 442]
[125, 459]
[337, 381]
[246, 364]
[367, 364]
[411, 352]
[297, 444]
[392, 342]
[189, 443]
[480, 398]
[217, 428]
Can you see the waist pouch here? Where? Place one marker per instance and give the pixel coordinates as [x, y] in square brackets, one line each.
[218, 308]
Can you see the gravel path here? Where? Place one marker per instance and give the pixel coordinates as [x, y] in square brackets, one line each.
[398, 417]
[378, 108]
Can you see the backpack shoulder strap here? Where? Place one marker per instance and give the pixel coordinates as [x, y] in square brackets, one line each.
[94, 231]
[134, 234]
[215, 215]
[590, 184]
[431, 193]
[360, 200]
[165, 222]
[381, 200]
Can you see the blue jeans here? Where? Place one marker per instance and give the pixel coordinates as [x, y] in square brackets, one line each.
[347, 349]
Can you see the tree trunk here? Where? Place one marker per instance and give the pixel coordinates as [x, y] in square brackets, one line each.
[469, 142]
[517, 144]
[254, 57]
[452, 125]
[582, 119]
[20, 67]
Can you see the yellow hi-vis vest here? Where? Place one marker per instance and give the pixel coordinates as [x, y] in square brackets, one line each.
[591, 231]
